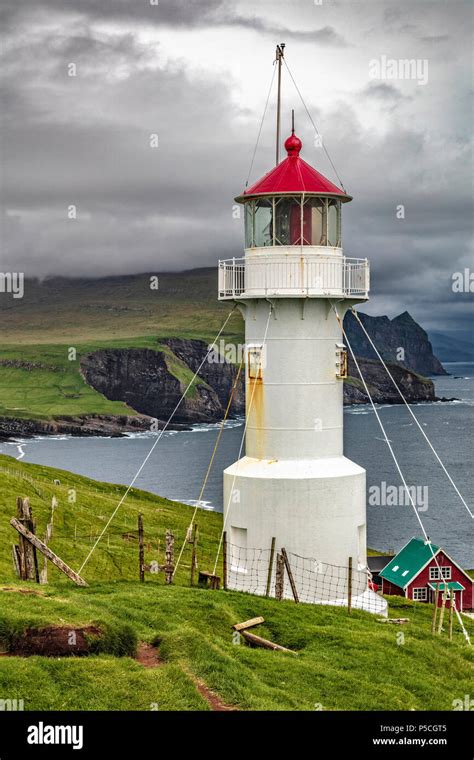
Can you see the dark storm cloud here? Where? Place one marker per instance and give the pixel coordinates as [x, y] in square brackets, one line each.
[326, 35]
[85, 140]
[383, 91]
[189, 13]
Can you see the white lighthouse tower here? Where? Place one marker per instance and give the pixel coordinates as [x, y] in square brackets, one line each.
[294, 483]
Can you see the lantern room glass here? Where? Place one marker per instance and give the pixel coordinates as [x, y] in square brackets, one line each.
[263, 223]
[287, 215]
[290, 220]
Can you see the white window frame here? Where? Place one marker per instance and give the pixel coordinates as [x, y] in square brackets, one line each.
[423, 597]
[446, 572]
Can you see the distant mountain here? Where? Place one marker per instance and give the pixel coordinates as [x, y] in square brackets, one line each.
[450, 349]
[400, 340]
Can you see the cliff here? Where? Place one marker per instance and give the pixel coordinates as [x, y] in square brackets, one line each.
[400, 340]
[413, 386]
[149, 381]
[152, 382]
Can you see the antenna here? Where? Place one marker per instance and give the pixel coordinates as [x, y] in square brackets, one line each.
[279, 57]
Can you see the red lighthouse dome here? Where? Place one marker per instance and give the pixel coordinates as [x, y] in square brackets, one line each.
[293, 175]
[293, 205]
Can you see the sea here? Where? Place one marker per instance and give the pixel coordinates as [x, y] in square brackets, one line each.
[179, 461]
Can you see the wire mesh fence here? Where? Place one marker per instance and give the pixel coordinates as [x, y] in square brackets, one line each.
[286, 575]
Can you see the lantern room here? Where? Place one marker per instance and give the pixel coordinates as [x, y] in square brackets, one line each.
[293, 205]
[293, 245]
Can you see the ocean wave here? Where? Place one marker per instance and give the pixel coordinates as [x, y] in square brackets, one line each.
[207, 427]
[206, 505]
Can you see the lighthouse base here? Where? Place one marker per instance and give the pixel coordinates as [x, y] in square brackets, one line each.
[315, 510]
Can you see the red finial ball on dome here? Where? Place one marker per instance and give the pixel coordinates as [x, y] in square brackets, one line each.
[293, 145]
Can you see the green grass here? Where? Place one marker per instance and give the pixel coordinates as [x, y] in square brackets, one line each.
[181, 372]
[344, 662]
[96, 683]
[56, 390]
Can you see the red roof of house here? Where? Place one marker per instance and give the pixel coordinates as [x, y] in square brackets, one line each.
[293, 175]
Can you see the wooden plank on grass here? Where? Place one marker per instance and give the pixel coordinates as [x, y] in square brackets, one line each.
[395, 621]
[57, 561]
[248, 623]
[252, 638]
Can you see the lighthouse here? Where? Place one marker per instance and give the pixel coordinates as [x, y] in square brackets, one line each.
[293, 485]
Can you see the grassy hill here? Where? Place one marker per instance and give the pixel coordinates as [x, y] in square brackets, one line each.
[39, 375]
[343, 662]
[77, 311]
[84, 506]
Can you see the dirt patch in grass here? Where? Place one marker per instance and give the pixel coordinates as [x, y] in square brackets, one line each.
[22, 590]
[148, 655]
[55, 641]
[213, 700]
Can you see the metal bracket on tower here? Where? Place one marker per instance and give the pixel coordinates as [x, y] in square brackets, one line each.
[341, 361]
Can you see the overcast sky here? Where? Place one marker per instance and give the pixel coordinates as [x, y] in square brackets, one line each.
[196, 73]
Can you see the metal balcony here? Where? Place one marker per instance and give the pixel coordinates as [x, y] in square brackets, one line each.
[293, 276]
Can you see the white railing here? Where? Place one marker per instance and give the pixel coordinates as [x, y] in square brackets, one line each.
[293, 276]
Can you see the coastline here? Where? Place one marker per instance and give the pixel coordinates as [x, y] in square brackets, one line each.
[120, 426]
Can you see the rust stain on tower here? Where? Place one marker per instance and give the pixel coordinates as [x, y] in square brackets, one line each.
[256, 413]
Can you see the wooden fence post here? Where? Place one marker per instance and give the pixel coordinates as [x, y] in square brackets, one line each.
[28, 558]
[194, 554]
[279, 577]
[270, 567]
[435, 611]
[21, 544]
[169, 553]
[31, 525]
[141, 551]
[16, 559]
[290, 575]
[47, 538]
[224, 560]
[451, 610]
[443, 605]
[349, 586]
